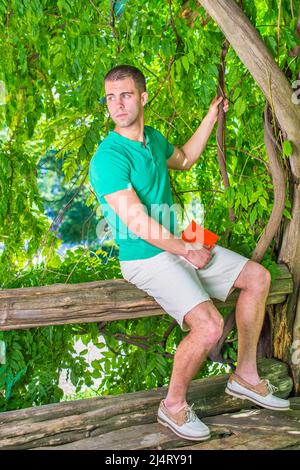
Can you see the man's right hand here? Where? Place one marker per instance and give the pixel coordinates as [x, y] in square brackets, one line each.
[199, 257]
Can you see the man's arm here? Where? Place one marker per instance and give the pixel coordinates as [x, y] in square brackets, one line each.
[128, 206]
[178, 160]
[183, 158]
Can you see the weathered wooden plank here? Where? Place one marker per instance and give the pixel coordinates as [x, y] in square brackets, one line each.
[248, 429]
[56, 424]
[247, 441]
[154, 436]
[145, 436]
[97, 301]
[262, 420]
[245, 430]
[65, 422]
[295, 403]
[254, 429]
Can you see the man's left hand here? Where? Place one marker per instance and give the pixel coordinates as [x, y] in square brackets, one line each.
[214, 107]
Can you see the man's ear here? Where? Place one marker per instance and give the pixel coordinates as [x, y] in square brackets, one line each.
[144, 97]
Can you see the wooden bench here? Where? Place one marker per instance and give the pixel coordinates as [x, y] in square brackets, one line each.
[128, 421]
[98, 301]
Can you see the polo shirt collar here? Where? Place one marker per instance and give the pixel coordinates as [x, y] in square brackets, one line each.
[135, 143]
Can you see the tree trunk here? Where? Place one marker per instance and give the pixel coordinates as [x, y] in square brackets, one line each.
[250, 48]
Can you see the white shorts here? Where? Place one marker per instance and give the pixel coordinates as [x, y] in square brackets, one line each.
[177, 286]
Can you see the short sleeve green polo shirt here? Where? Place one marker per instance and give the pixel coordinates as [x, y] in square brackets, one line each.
[121, 163]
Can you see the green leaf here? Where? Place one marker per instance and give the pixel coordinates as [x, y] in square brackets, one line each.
[244, 200]
[84, 352]
[54, 261]
[178, 67]
[185, 63]
[263, 202]
[272, 44]
[287, 214]
[232, 354]
[230, 195]
[191, 57]
[253, 216]
[240, 106]
[58, 60]
[96, 374]
[287, 148]
[236, 93]
[213, 70]
[90, 199]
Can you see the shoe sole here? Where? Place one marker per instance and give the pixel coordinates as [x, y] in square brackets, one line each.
[167, 425]
[245, 397]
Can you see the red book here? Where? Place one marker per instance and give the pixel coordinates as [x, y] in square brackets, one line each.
[195, 233]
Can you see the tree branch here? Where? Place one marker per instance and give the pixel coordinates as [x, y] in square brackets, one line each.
[278, 179]
[222, 125]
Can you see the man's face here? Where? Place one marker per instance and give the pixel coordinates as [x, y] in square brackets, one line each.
[124, 101]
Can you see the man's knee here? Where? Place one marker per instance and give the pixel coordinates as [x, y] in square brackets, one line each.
[254, 278]
[261, 278]
[205, 321]
[214, 330]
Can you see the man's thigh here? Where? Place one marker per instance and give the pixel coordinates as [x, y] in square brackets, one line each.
[170, 280]
[219, 275]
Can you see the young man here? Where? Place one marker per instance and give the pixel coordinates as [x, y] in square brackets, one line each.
[129, 173]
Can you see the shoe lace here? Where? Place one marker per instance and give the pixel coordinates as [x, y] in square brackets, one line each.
[271, 387]
[190, 414]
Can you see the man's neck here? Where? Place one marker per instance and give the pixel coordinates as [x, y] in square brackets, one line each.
[134, 132]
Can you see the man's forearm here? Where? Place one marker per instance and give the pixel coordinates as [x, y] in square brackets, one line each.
[197, 143]
[150, 230]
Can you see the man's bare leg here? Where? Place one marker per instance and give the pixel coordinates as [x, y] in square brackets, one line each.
[254, 282]
[206, 326]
